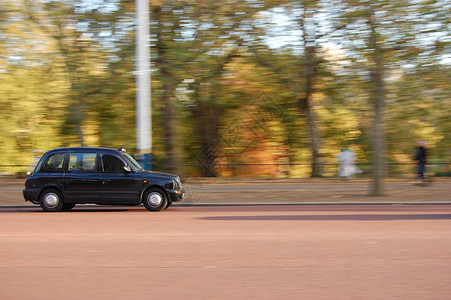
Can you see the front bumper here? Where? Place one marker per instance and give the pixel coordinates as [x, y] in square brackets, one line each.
[31, 195]
[176, 195]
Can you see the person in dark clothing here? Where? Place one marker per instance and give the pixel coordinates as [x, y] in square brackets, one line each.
[420, 158]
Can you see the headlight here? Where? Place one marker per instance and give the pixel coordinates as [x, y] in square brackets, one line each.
[176, 183]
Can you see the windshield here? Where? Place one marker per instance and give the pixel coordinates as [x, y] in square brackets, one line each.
[131, 161]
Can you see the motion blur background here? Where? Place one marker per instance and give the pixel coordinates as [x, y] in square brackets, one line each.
[239, 87]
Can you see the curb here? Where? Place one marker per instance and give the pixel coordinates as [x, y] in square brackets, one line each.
[311, 203]
[254, 204]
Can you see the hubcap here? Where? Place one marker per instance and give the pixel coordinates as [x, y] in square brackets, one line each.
[51, 200]
[154, 199]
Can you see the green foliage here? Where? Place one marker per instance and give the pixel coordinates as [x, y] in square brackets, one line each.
[67, 78]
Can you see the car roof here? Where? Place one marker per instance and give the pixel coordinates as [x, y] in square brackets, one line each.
[85, 149]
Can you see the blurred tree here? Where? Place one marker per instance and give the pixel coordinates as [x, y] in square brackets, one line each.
[167, 29]
[211, 33]
[331, 67]
[367, 44]
[113, 107]
[75, 26]
[419, 85]
[308, 22]
[302, 66]
[381, 39]
[30, 88]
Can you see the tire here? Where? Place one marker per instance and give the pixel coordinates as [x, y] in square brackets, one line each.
[68, 206]
[155, 200]
[168, 205]
[51, 200]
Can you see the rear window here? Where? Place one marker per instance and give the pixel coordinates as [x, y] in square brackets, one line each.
[55, 163]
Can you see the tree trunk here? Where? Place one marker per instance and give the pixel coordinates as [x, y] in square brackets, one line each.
[79, 118]
[305, 104]
[167, 78]
[207, 122]
[169, 124]
[315, 141]
[378, 95]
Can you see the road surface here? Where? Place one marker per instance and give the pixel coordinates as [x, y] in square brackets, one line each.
[238, 252]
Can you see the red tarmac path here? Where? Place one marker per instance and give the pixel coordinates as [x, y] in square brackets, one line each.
[239, 252]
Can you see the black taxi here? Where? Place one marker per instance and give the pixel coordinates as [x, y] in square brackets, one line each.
[65, 177]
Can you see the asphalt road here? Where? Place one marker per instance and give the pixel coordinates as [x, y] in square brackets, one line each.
[235, 252]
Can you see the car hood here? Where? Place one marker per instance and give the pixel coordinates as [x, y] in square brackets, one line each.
[157, 174]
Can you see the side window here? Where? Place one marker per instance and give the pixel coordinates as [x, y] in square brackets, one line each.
[112, 164]
[82, 162]
[55, 163]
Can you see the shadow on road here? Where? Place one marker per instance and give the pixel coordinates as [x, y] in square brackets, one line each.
[75, 210]
[357, 217]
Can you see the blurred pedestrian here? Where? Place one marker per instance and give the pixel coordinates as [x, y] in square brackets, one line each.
[420, 159]
[346, 160]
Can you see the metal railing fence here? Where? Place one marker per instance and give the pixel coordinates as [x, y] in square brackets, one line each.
[281, 170]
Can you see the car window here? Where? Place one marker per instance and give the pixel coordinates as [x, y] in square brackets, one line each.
[131, 161]
[82, 162]
[55, 163]
[112, 163]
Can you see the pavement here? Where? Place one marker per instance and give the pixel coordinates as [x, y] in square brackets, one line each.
[320, 252]
[245, 191]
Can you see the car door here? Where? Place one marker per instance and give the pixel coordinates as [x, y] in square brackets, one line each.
[118, 186]
[51, 172]
[82, 179]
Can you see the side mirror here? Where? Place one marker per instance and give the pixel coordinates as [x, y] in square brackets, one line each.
[127, 169]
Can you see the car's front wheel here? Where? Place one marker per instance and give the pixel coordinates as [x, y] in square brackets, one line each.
[155, 200]
[51, 200]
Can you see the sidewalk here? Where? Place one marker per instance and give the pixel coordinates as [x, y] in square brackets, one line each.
[311, 191]
[225, 191]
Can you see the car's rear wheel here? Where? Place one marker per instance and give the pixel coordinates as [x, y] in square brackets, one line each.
[51, 200]
[155, 200]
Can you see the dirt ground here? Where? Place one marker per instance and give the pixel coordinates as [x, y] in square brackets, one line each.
[282, 191]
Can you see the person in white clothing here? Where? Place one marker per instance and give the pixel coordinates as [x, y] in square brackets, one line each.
[346, 160]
